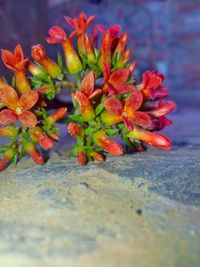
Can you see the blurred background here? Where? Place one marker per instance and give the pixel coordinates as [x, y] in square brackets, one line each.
[164, 34]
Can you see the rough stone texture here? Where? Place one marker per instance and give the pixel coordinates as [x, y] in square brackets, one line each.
[136, 210]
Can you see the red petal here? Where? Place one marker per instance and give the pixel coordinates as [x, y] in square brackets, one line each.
[28, 119]
[90, 20]
[163, 108]
[7, 116]
[57, 35]
[119, 77]
[111, 90]
[87, 84]
[133, 102]
[29, 99]
[70, 21]
[141, 119]
[9, 97]
[125, 88]
[18, 52]
[96, 92]
[106, 71]
[114, 30]
[113, 105]
[128, 123]
[8, 59]
[132, 66]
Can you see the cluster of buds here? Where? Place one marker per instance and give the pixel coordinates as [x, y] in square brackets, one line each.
[109, 104]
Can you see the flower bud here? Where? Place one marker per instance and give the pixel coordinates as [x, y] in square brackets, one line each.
[59, 114]
[124, 59]
[97, 156]
[8, 131]
[102, 140]
[34, 153]
[72, 59]
[38, 54]
[81, 157]
[121, 44]
[132, 66]
[36, 71]
[89, 51]
[75, 130]
[150, 138]
[6, 158]
[22, 82]
[41, 138]
[87, 111]
[106, 48]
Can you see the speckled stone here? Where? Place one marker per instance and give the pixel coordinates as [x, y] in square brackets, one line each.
[136, 210]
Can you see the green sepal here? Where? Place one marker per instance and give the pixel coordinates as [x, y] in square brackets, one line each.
[111, 131]
[99, 108]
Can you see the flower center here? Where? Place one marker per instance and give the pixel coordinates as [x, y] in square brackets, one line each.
[19, 110]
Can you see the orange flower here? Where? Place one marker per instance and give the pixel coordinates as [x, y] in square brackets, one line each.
[58, 35]
[81, 23]
[127, 113]
[17, 62]
[18, 108]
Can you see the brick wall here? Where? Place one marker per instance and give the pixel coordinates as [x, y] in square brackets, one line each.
[164, 34]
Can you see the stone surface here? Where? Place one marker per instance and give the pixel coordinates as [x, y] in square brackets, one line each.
[136, 210]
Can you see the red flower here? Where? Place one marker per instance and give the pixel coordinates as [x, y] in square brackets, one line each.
[14, 61]
[115, 83]
[18, 108]
[129, 113]
[151, 85]
[81, 23]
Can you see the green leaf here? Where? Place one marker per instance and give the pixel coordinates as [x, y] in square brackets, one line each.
[112, 131]
[99, 109]
[44, 114]
[76, 118]
[73, 152]
[60, 60]
[90, 131]
[15, 159]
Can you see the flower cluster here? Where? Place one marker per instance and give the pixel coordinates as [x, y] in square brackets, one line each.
[110, 106]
